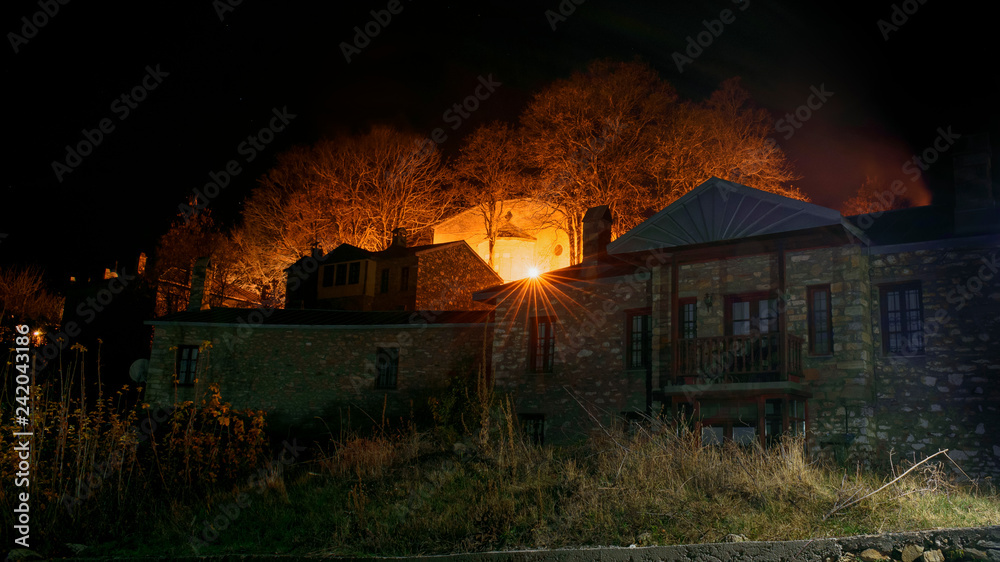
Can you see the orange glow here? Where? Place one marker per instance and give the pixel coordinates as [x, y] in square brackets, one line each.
[533, 272]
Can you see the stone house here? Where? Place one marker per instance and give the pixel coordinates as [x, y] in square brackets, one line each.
[303, 366]
[747, 315]
[365, 336]
[426, 277]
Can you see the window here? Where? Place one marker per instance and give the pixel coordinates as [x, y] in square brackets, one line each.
[328, 272]
[404, 279]
[386, 367]
[187, 364]
[533, 427]
[541, 345]
[341, 274]
[354, 273]
[639, 338]
[748, 313]
[733, 420]
[820, 320]
[688, 315]
[902, 318]
[797, 417]
[384, 284]
[774, 422]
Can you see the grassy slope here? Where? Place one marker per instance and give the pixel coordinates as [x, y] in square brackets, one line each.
[391, 496]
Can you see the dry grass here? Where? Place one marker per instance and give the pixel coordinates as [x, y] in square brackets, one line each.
[99, 462]
[500, 492]
[474, 486]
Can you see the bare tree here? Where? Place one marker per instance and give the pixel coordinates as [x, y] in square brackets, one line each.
[490, 172]
[874, 196]
[185, 242]
[24, 298]
[594, 139]
[725, 136]
[353, 190]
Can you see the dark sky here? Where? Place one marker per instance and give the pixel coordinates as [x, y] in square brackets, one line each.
[221, 79]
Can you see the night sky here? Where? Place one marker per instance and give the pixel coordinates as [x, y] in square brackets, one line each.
[207, 82]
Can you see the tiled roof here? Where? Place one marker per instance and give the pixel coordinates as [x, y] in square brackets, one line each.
[280, 317]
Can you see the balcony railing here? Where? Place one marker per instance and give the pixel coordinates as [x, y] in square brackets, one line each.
[731, 359]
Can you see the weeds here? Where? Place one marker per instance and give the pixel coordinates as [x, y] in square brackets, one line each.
[100, 462]
[472, 483]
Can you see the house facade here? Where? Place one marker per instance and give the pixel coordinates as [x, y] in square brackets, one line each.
[748, 315]
[308, 368]
[365, 336]
[427, 277]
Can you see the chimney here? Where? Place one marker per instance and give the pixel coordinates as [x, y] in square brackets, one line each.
[975, 203]
[198, 274]
[596, 232]
[399, 237]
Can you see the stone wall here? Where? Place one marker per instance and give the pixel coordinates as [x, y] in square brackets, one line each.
[449, 276]
[589, 385]
[954, 545]
[841, 382]
[947, 397]
[300, 372]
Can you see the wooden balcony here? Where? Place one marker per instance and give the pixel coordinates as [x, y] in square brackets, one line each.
[754, 358]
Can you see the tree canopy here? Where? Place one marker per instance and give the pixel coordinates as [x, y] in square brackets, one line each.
[614, 134]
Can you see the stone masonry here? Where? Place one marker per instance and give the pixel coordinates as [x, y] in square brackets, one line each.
[299, 373]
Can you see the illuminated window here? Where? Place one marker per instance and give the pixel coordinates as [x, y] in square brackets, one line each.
[902, 318]
[541, 345]
[820, 321]
[187, 364]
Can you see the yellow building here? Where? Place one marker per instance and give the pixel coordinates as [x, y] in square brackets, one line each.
[531, 237]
